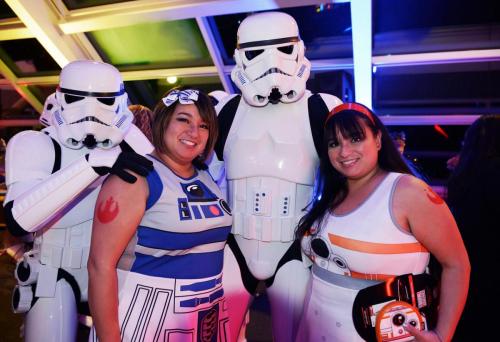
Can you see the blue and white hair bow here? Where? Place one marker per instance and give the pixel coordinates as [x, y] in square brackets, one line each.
[186, 96]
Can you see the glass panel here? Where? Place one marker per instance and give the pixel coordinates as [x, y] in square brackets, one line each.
[152, 45]
[329, 37]
[408, 26]
[27, 57]
[468, 88]
[148, 93]
[77, 4]
[337, 82]
[14, 106]
[429, 148]
[6, 11]
[42, 92]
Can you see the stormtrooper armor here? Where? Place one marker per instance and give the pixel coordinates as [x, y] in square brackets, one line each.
[49, 107]
[53, 178]
[269, 141]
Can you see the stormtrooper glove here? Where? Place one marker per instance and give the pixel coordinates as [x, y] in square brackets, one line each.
[116, 162]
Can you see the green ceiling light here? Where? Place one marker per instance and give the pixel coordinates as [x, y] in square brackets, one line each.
[165, 44]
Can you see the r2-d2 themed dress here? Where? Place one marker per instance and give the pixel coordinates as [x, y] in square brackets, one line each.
[352, 252]
[170, 275]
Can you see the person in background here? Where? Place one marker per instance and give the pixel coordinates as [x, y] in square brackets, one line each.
[399, 138]
[143, 119]
[452, 163]
[155, 267]
[474, 196]
[373, 226]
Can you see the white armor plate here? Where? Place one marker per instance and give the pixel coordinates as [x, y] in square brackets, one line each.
[271, 162]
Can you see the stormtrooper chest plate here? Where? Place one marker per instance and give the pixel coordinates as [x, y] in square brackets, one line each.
[271, 141]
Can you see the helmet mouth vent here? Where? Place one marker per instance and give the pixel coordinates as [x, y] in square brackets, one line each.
[275, 96]
[89, 141]
[89, 118]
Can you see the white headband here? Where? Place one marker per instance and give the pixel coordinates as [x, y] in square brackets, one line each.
[186, 96]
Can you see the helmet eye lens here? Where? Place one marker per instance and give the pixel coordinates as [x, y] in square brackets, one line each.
[286, 49]
[251, 54]
[109, 101]
[72, 98]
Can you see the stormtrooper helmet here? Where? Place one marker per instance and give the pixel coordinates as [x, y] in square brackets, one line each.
[92, 104]
[50, 106]
[270, 62]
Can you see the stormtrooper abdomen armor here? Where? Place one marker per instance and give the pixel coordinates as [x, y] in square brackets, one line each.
[270, 163]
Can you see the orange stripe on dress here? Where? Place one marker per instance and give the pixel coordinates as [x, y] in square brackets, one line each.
[371, 276]
[376, 248]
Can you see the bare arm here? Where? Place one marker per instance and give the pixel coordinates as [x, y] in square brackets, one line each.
[119, 209]
[428, 218]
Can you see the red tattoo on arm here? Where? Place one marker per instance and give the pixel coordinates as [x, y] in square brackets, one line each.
[433, 197]
[107, 210]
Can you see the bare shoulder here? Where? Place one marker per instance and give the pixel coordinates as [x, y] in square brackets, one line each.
[413, 197]
[115, 185]
[410, 188]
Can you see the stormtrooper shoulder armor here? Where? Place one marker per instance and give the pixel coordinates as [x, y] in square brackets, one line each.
[29, 156]
[331, 101]
[138, 141]
[225, 101]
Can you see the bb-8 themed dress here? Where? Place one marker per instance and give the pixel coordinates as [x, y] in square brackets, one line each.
[350, 253]
[170, 274]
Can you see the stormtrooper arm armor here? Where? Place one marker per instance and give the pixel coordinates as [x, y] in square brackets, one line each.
[35, 195]
[138, 141]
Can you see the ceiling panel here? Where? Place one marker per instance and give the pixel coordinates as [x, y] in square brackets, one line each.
[161, 42]
[148, 92]
[329, 37]
[408, 26]
[78, 4]
[42, 91]
[465, 88]
[390, 15]
[165, 44]
[27, 57]
[337, 82]
[6, 11]
[14, 106]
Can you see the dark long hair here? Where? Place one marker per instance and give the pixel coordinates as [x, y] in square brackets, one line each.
[333, 185]
[481, 149]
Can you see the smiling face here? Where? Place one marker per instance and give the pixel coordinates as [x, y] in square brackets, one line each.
[355, 155]
[185, 137]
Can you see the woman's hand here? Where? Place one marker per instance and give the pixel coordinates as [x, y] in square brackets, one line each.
[422, 335]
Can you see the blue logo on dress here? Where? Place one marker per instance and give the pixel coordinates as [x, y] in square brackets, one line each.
[200, 202]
